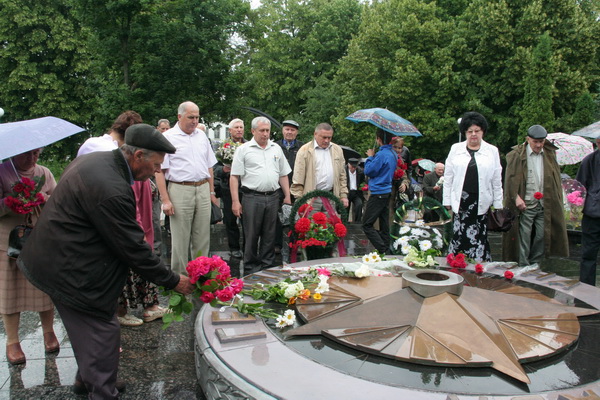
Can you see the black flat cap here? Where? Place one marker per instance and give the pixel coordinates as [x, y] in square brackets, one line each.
[537, 132]
[353, 161]
[147, 137]
[291, 122]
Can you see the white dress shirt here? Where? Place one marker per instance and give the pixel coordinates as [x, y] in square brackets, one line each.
[101, 143]
[323, 167]
[193, 158]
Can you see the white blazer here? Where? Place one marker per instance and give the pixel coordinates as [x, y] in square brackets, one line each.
[488, 169]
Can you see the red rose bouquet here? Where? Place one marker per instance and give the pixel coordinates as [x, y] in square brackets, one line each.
[401, 168]
[26, 195]
[213, 285]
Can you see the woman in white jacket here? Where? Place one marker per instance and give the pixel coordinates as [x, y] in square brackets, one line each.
[472, 183]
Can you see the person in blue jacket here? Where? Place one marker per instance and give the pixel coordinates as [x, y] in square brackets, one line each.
[380, 170]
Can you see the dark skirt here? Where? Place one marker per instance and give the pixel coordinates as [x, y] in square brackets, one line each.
[470, 230]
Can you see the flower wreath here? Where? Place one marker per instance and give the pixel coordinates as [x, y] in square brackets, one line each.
[339, 209]
[318, 193]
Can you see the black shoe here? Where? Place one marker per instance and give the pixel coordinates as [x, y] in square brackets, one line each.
[79, 387]
[237, 254]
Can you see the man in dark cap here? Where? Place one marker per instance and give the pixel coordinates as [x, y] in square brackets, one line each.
[290, 146]
[355, 177]
[85, 242]
[533, 190]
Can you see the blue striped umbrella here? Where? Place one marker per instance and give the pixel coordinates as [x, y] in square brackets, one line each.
[386, 120]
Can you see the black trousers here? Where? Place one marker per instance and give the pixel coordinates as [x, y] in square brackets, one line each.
[590, 244]
[259, 213]
[356, 200]
[377, 208]
[95, 345]
[230, 222]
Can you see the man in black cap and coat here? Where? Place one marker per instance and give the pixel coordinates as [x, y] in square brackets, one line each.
[533, 190]
[355, 177]
[290, 146]
[84, 243]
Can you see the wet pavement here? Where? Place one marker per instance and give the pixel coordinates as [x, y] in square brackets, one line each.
[159, 364]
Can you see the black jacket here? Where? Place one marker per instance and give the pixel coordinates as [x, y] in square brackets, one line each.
[87, 238]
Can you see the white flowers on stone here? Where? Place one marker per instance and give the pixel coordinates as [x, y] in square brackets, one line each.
[404, 230]
[322, 287]
[406, 248]
[287, 319]
[420, 222]
[371, 258]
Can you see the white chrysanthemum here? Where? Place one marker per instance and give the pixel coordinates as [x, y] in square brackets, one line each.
[418, 232]
[420, 222]
[425, 245]
[371, 258]
[322, 287]
[438, 243]
[323, 278]
[406, 248]
[281, 322]
[293, 289]
[404, 229]
[290, 317]
[363, 271]
[396, 243]
[404, 240]
[436, 232]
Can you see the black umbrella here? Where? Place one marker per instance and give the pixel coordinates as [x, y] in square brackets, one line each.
[350, 153]
[264, 114]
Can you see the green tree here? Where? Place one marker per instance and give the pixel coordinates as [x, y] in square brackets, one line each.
[404, 64]
[539, 89]
[44, 67]
[294, 47]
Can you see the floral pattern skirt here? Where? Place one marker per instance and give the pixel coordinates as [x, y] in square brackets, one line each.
[470, 230]
[138, 291]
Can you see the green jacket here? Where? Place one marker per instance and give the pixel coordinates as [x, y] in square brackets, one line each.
[556, 242]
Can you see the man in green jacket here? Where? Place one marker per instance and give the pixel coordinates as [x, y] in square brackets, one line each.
[533, 190]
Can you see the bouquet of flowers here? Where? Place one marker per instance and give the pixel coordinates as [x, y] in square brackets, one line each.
[213, 285]
[26, 195]
[575, 194]
[419, 244]
[226, 150]
[401, 168]
[318, 230]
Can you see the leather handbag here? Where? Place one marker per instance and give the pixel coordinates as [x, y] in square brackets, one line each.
[16, 240]
[216, 215]
[500, 220]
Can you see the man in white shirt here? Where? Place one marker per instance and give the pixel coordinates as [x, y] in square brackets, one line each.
[191, 189]
[261, 169]
[320, 165]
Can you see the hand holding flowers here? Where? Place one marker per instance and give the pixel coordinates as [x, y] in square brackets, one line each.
[226, 150]
[26, 195]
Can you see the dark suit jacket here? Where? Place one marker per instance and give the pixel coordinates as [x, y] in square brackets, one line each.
[360, 179]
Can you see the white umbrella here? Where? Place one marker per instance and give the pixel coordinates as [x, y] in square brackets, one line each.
[19, 137]
[571, 149]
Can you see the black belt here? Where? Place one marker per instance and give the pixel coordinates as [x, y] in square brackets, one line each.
[256, 192]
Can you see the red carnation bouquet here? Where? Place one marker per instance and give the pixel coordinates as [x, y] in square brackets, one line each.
[318, 230]
[456, 261]
[26, 195]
